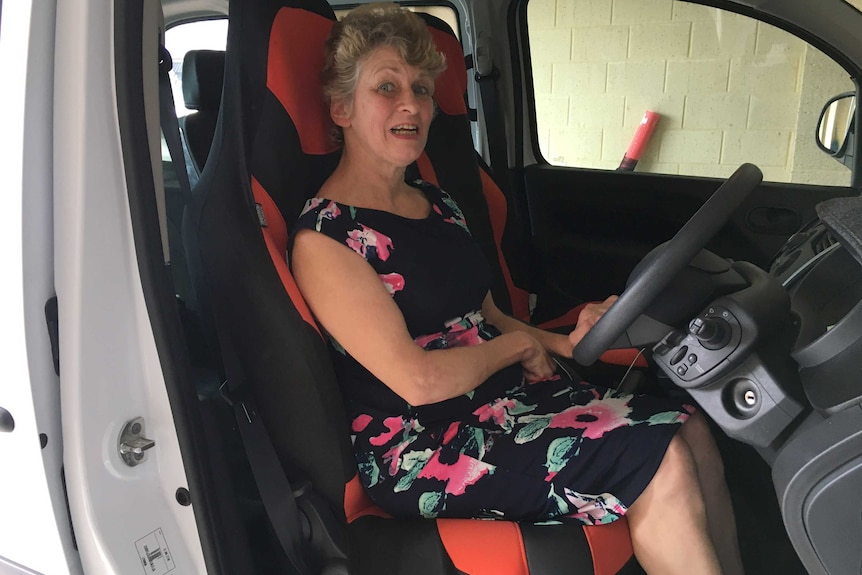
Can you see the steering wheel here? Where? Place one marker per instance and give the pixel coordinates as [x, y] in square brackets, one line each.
[668, 262]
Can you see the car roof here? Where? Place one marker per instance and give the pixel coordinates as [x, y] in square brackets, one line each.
[834, 26]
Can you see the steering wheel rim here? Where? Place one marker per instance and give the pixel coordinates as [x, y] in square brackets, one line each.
[658, 273]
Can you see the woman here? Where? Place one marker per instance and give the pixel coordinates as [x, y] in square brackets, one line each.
[455, 407]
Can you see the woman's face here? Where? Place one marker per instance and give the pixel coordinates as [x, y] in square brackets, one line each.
[387, 120]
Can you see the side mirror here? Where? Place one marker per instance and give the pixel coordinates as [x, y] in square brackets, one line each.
[835, 127]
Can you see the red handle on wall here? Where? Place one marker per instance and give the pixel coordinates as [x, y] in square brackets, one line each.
[639, 141]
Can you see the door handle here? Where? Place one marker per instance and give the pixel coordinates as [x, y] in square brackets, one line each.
[770, 220]
[7, 422]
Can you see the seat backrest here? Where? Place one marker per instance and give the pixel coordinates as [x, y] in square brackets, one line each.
[274, 153]
[203, 78]
[458, 169]
[242, 241]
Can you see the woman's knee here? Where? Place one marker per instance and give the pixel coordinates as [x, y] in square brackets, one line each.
[677, 469]
[675, 481]
[698, 436]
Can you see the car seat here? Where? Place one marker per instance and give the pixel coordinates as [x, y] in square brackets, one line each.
[203, 77]
[271, 153]
[451, 162]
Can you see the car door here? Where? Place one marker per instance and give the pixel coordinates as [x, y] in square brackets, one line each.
[728, 88]
[35, 532]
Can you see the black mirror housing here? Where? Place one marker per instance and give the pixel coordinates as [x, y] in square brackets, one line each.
[836, 128]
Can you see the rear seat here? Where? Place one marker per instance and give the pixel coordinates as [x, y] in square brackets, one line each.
[203, 78]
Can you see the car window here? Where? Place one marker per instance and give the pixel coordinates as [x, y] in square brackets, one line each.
[727, 89]
[197, 35]
[445, 13]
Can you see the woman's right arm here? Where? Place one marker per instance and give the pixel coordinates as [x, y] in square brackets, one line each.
[351, 303]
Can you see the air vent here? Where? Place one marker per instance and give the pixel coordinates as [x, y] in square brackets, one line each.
[822, 241]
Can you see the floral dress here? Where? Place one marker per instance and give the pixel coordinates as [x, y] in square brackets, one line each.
[555, 450]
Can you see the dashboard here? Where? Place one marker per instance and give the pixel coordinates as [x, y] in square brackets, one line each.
[782, 342]
[823, 276]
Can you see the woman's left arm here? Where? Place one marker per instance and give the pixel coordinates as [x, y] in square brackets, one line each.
[555, 343]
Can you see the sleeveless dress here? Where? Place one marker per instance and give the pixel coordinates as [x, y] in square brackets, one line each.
[555, 450]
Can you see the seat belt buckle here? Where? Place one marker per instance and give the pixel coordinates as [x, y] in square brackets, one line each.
[231, 394]
[166, 63]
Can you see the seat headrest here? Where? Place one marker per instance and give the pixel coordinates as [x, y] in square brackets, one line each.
[293, 75]
[203, 78]
[451, 85]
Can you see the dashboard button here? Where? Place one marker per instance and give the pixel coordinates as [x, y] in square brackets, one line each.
[677, 357]
[682, 369]
[692, 358]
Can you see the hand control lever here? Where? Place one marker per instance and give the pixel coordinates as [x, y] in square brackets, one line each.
[712, 332]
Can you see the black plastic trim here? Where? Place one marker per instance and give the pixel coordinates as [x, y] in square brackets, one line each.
[53, 322]
[845, 334]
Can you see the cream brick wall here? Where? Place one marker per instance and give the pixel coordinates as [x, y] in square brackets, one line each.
[729, 89]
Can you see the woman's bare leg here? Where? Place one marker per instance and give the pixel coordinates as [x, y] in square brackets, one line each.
[668, 522]
[710, 473]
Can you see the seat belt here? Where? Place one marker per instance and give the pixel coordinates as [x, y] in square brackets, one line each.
[187, 177]
[486, 75]
[276, 491]
[495, 126]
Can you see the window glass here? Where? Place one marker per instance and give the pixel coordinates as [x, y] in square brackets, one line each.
[445, 13]
[198, 35]
[727, 88]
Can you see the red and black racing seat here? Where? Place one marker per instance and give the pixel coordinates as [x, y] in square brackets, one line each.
[271, 152]
[451, 162]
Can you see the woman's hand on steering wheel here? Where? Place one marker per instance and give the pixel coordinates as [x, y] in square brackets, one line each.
[591, 314]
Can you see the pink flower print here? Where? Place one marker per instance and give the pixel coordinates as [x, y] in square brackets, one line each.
[393, 455]
[423, 340]
[459, 332]
[464, 472]
[596, 418]
[451, 432]
[595, 509]
[311, 205]
[330, 212]
[457, 215]
[465, 337]
[560, 451]
[393, 282]
[500, 411]
[394, 425]
[360, 422]
[459, 337]
[437, 209]
[369, 243]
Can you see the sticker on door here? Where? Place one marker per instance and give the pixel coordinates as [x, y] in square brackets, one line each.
[154, 553]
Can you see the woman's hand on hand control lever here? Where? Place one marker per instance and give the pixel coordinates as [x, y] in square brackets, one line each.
[536, 361]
